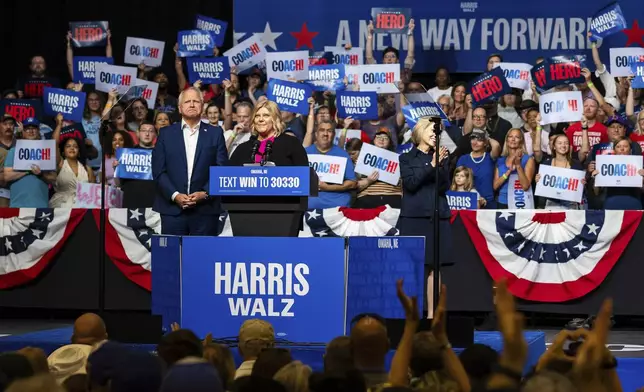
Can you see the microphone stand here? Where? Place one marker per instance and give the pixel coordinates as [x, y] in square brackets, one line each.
[436, 222]
[267, 153]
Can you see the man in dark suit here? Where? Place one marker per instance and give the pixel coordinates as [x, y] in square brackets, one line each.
[181, 164]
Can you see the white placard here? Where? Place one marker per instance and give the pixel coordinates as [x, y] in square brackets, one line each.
[517, 74]
[618, 171]
[559, 183]
[353, 56]
[381, 78]
[88, 195]
[622, 58]
[150, 92]
[330, 169]
[287, 65]
[375, 158]
[114, 76]
[41, 153]
[351, 134]
[247, 54]
[518, 199]
[141, 50]
[565, 106]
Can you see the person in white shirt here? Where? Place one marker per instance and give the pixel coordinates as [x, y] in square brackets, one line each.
[241, 131]
[443, 86]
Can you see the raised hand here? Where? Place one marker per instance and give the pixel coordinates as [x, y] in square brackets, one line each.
[410, 304]
[439, 322]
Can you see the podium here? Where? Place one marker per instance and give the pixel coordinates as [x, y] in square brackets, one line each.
[264, 201]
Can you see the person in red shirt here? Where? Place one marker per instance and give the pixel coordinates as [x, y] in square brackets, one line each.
[638, 133]
[596, 130]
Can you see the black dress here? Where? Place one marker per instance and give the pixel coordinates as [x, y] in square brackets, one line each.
[287, 151]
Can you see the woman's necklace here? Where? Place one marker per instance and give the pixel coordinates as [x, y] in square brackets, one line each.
[480, 160]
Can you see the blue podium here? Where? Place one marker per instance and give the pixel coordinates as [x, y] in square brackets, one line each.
[266, 201]
[308, 288]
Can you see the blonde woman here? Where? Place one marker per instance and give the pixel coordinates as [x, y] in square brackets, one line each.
[294, 377]
[514, 160]
[463, 181]
[267, 129]
[638, 133]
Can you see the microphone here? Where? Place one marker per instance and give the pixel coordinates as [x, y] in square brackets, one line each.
[255, 148]
[267, 152]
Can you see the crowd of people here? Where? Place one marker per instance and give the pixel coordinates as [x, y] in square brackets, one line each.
[423, 360]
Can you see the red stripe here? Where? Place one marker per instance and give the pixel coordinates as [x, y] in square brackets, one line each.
[362, 215]
[549, 218]
[115, 251]
[21, 277]
[553, 292]
[6, 213]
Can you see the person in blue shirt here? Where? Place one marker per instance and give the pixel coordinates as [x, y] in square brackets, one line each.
[332, 195]
[514, 160]
[482, 164]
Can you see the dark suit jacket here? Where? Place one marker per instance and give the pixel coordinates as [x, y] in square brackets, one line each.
[170, 167]
[419, 185]
[287, 151]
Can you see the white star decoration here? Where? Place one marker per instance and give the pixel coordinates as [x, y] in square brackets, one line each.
[521, 246]
[222, 218]
[7, 244]
[567, 252]
[541, 253]
[509, 235]
[580, 246]
[268, 37]
[505, 215]
[322, 233]
[135, 214]
[312, 215]
[237, 37]
[592, 228]
[37, 233]
[45, 216]
[143, 232]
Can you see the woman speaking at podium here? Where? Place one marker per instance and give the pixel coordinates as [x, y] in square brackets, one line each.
[268, 143]
[418, 173]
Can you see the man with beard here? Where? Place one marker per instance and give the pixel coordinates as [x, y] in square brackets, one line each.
[141, 193]
[331, 195]
[32, 86]
[165, 102]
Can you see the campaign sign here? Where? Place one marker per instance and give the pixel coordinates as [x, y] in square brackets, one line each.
[564, 70]
[374, 266]
[85, 34]
[88, 195]
[564, 106]
[247, 54]
[41, 153]
[209, 70]
[417, 110]
[618, 171]
[66, 102]
[621, 60]
[329, 169]
[607, 21]
[384, 161]
[289, 96]
[390, 20]
[517, 74]
[166, 279]
[259, 181]
[358, 105]
[75, 131]
[538, 73]
[462, 200]
[320, 58]
[489, 86]
[195, 43]
[287, 65]
[561, 184]
[114, 76]
[353, 56]
[216, 28]
[519, 199]
[20, 109]
[326, 77]
[404, 148]
[148, 91]
[637, 70]
[286, 281]
[351, 134]
[381, 78]
[141, 50]
[134, 163]
[84, 67]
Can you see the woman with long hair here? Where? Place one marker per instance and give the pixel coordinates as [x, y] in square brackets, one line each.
[161, 120]
[561, 157]
[514, 163]
[118, 139]
[638, 132]
[459, 110]
[137, 113]
[463, 181]
[72, 169]
[94, 107]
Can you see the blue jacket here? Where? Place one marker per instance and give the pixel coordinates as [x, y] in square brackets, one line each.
[419, 185]
[170, 167]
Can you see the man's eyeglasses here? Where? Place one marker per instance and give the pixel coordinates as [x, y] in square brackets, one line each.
[479, 117]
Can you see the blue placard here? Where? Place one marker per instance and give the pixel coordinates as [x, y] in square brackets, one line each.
[259, 181]
[403, 148]
[85, 34]
[297, 284]
[208, 70]
[390, 20]
[415, 110]
[66, 102]
[20, 109]
[638, 75]
[166, 279]
[134, 163]
[289, 96]
[462, 200]
[607, 21]
[538, 73]
[375, 264]
[326, 77]
[563, 70]
[489, 86]
[216, 28]
[194, 43]
[84, 67]
[358, 105]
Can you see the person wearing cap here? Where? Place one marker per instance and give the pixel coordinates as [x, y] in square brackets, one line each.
[595, 130]
[254, 336]
[7, 141]
[482, 164]
[69, 360]
[617, 127]
[254, 80]
[29, 189]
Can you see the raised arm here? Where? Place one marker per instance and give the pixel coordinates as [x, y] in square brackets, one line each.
[368, 50]
[108, 46]
[69, 54]
[178, 68]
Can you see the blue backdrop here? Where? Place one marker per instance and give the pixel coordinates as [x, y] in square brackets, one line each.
[460, 35]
